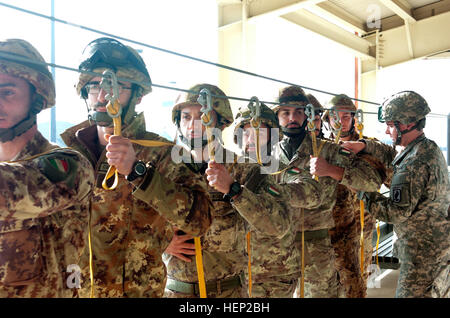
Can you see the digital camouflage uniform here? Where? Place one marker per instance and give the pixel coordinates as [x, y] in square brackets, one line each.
[417, 205]
[130, 225]
[345, 235]
[321, 277]
[44, 200]
[274, 256]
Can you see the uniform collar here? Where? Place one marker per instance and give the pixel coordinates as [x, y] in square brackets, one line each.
[408, 148]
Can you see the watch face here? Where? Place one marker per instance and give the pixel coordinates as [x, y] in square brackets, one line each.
[235, 187]
[140, 168]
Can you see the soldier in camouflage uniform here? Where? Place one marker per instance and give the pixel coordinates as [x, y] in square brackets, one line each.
[345, 236]
[129, 224]
[334, 166]
[419, 197]
[274, 258]
[224, 255]
[223, 245]
[45, 190]
[318, 111]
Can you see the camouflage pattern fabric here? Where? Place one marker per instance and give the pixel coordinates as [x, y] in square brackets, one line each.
[274, 258]
[345, 236]
[130, 228]
[282, 286]
[221, 106]
[321, 276]
[37, 75]
[405, 107]
[43, 220]
[418, 207]
[358, 174]
[223, 245]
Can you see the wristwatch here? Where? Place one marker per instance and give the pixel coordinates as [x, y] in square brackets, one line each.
[139, 169]
[235, 188]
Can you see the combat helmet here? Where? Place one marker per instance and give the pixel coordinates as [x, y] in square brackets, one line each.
[267, 117]
[107, 53]
[220, 105]
[295, 96]
[405, 107]
[338, 103]
[20, 59]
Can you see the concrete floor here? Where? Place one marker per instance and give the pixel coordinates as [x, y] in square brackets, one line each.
[384, 284]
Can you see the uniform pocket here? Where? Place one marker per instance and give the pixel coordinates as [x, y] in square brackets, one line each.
[21, 257]
[400, 189]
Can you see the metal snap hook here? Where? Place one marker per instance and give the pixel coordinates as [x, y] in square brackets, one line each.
[204, 99]
[255, 111]
[109, 83]
[309, 112]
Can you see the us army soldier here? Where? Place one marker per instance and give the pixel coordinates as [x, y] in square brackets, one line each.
[419, 197]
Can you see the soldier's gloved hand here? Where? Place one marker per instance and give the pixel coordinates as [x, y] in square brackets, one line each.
[120, 153]
[218, 176]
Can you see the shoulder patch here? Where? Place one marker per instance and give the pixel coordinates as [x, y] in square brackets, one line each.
[273, 191]
[294, 171]
[344, 152]
[59, 167]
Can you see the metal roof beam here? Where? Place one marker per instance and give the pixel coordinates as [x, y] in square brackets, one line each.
[400, 8]
[312, 22]
[257, 11]
[338, 14]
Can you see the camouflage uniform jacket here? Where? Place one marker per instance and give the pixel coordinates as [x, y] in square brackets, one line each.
[347, 208]
[418, 202]
[273, 251]
[358, 174]
[223, 246]
[44, 206]
[129, 226]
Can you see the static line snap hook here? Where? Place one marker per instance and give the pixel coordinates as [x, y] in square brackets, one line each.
[359, 115]
[109, 85]
[255, 111]
[204, 99]
[309, 112]
[337, 119]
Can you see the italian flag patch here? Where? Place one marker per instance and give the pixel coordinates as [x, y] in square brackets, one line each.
[59, 164]
[294, 171]
[344, 152]
[273, 191]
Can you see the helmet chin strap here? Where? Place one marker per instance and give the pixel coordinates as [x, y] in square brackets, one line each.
[8, 134]
[400, 133]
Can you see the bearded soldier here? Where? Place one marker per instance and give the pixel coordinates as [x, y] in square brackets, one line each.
[419, 197]
[274, 259]
[45, 190]
[333, 165]
[129, 224]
